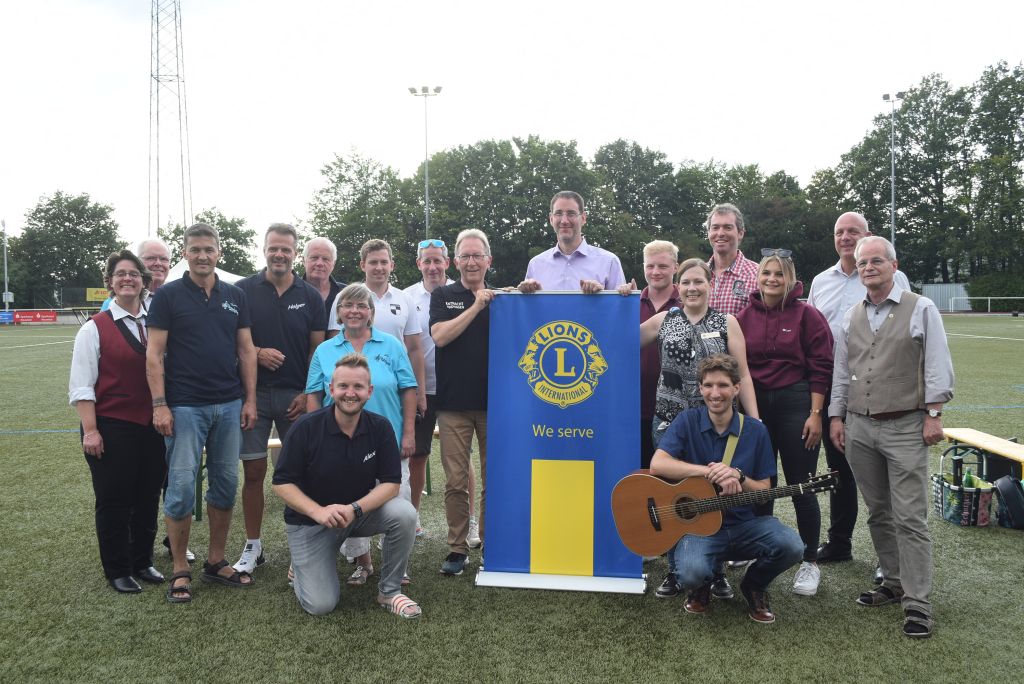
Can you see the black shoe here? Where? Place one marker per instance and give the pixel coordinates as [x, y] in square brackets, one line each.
[125, 585]
[150, 574]
[668, 588]
[834, 552]
[879, 577]
[720, 587]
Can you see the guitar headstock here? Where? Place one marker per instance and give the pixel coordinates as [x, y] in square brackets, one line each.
[821, 483]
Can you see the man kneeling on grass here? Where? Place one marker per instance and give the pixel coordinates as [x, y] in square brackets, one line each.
[339, 474]
[695, 446]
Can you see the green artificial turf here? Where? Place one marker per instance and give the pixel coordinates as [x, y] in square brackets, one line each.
[60, 622]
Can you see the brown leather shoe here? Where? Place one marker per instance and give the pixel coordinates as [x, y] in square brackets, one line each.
[758, 607]
[698, 601]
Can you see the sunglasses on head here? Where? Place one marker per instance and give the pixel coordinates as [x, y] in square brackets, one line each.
[431, 243]
[771, 251]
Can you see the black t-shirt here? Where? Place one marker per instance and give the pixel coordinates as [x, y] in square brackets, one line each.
[283, 323]
[201, 366]
[462, 363]
[336, 287]
[329, 466]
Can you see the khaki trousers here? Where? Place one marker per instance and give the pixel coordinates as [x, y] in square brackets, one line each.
[456, 430]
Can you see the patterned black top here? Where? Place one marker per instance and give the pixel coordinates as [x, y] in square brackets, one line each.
[683, 345]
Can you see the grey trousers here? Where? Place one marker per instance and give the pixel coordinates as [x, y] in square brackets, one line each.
[314, 550]
[889, 459]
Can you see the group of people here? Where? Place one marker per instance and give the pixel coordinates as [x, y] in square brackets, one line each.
[355, 378]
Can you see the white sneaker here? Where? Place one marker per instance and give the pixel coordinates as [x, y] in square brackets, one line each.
[808, 575]
[473, 539]
[252, 558]
[419, 526]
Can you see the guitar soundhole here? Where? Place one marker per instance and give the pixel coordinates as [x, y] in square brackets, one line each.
[682, 510]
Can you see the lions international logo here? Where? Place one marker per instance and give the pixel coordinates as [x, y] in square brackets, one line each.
[562, 363]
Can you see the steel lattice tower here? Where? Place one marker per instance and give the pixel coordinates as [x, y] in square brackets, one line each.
[169, 164]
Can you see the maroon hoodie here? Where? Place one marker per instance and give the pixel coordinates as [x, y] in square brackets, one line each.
[788, 344]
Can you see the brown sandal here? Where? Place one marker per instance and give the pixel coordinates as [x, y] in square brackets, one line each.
[173, 592]
[211, 573]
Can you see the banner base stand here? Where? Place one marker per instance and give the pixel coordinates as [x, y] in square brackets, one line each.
[525, 580]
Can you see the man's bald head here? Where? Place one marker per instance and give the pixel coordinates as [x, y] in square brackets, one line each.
[850, 227]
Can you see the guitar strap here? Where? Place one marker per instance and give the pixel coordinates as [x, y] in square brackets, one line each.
[730, 444]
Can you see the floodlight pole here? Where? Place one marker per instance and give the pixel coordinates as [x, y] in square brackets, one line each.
[892, 163]
[7, 304]
[426, 93]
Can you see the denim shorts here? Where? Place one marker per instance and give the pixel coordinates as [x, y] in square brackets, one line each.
[217, 427]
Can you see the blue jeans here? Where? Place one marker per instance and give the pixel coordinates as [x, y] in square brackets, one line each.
[773, 546]
[217, 427]
[314, 550]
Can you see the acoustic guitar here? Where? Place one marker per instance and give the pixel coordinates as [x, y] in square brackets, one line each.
[652, 514]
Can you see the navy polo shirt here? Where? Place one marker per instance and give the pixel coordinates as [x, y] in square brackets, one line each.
[461, 365]
[330, 467]
[336, 287]
[283, 323]
[692, 438]
[201, 366]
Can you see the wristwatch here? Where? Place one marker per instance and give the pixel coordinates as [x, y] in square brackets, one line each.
[932, 413]
[357, 509]
[742, 476]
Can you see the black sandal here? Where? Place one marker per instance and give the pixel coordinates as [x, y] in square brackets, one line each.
[882, 596]
[174, 592]
[211, 574]
[917, 625]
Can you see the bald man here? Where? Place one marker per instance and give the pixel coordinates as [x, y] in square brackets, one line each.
[833, 292]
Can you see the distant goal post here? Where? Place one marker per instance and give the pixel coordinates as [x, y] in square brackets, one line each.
[988, 305]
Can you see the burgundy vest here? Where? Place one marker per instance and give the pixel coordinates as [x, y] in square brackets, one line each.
[121, 388]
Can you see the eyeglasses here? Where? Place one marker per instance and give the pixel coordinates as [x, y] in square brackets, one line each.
[359, 306]
[431, 243]
[472, 257]
[566, 214]
[134, 275]
[774, 251]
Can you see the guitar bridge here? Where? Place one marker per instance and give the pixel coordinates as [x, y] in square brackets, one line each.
[652, 511]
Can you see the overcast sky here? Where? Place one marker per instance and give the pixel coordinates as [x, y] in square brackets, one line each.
[276, 89]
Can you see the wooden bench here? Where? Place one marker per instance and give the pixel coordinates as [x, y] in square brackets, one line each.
[996, 456]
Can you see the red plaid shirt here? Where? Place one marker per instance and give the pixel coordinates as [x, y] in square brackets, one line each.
[730, 292]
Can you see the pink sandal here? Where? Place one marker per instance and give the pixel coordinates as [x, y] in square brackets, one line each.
[402, 606]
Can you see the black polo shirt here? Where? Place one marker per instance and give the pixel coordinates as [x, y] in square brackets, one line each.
[201, 366]
[336, 287]
[462, 363]
[329, 467]
[283, 323]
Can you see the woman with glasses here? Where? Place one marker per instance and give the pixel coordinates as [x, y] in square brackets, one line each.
[124, 452]
[789, 353]
[685, 337]
[394, 389]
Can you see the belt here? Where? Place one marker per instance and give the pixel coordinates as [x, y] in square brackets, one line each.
[891, 415]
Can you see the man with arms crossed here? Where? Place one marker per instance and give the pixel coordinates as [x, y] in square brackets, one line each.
[288, 323]
[572, 264]
[694, 446]
[459, 324]
[202, 325]
[338, 475]
[833, 292]
[892, 375]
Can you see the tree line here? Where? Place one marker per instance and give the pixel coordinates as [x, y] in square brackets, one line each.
[959, 199]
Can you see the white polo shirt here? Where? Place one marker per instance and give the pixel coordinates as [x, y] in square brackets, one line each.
[421, 300]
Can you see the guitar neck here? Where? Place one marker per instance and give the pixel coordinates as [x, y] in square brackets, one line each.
[719, 503]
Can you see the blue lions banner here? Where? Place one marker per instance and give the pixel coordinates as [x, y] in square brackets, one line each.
[563, 409]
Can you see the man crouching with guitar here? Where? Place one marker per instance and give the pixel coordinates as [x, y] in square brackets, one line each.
[696, 445]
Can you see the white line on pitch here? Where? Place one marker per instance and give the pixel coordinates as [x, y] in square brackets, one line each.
[984, 337]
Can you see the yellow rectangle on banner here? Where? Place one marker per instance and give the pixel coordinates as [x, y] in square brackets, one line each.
[562, 517]
[96, 294]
